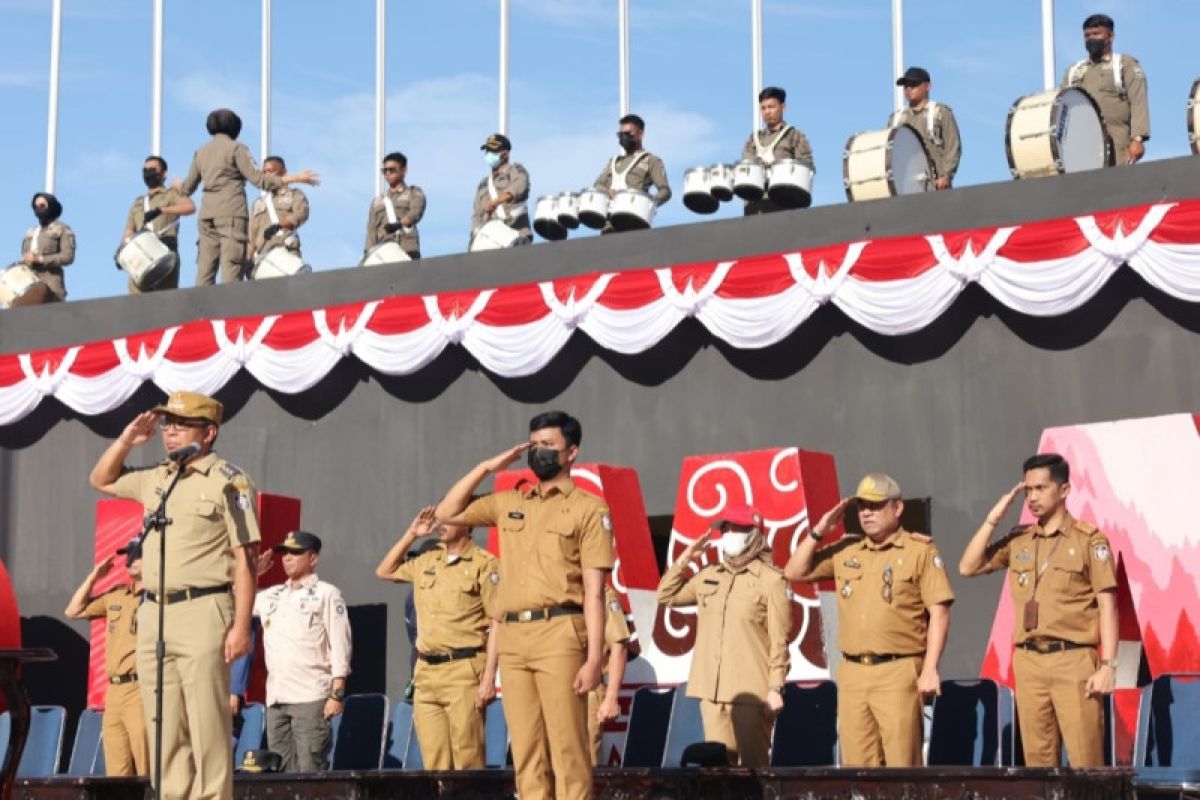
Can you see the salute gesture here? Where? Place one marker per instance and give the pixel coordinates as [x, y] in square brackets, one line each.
[502, 461]
[996, 515]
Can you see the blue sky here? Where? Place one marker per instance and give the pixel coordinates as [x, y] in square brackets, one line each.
[690, 80]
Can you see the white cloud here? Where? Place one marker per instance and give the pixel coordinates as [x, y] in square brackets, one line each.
[22, 80]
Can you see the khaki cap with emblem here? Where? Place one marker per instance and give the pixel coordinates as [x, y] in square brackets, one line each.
[192, 405]
[298, 542]
[877, 487]
[496, 143]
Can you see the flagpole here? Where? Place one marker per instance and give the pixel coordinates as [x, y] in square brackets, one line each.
[755, 60]
[623, 56]
[156, 79]
[380, 90]
[1047, 44]
[52, 121]
[265, 89]
[897, 52]
[504, 13]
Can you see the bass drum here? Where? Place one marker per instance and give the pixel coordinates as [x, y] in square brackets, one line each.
[280, 262]
[886, 163]
[389, 252]
[1056, 132]
[21, 286]
[1193, 109]
[147, 260]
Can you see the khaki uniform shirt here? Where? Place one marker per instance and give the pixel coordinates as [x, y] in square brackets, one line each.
[793, 145]
[549, 534]
[647, 172]
[306, 639]
[212, 509]
[884, 592]
[119, 607]
[291, 205]
[159, 198]
[508, 177]
[409, 201]
[616, 628]
[742, 630]
[1125, 114]
[1064, 571]
[940, 135]
[225, 165]
[455, 599]
[55, 245]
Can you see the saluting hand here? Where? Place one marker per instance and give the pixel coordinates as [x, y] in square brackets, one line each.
[503, 460]
[696, 546]
[141, 430]
[266, 560]
[103, 568]
[425, 523]
[996, 515]
[833, 517]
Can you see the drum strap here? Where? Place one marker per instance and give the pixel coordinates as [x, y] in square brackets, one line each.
[146, 210]
[501, 213]
[618, 177]
[931, 109]
[389, 210]
[1076, 74]
[269, 202]
[766, 154]
[35, 237]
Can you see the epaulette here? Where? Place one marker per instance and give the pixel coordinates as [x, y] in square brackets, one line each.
[235, 476]
[1085, 528]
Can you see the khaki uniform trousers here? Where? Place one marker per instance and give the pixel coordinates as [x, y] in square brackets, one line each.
[879, 714]
[595, 729]
[1054, 710]
[123, 731]
[449, 728]
[197, 728]
[222, 240]
[538, 663]
[742, 728]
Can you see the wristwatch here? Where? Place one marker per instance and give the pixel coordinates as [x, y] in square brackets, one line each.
[337, 693]
[1109, 662]
[814, 535]
[777, 689]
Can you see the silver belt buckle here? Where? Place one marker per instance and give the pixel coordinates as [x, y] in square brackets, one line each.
[526, 615]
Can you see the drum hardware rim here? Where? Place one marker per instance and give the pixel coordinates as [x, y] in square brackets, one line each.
[887, 163]
[1193, 134]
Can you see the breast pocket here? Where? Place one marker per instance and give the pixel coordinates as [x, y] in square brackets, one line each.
[1066, 573]
[1020, 580]
[905, 586]
[708, 599]
[114, 617]
[849, 585]
[747, 605]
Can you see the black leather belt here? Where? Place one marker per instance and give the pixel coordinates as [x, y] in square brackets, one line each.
[539, 614]
[453, 655]
[117, 680]
[1051, 645]
[879, 658]
[189, 594]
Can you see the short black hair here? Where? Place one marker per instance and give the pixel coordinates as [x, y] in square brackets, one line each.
[635, 120]
[772, 93]
[277, 159]
[1099, 21]
[1060, 470]
[398, 157]
[572, 431]
[162, 162]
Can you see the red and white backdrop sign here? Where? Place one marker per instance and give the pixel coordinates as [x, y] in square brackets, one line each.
[891, 286]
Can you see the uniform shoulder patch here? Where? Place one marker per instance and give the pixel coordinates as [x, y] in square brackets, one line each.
[494, 577]
[606, 519]
[1100, 549]
[937, 561]
[615, 606]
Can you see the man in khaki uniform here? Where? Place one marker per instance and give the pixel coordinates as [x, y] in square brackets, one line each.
[740, 661]
[776, 141]
[933, 122]
[1118, 85]
[276, 214]
[395, 213]
[126, 751]
[555, 552]
[224, 165]
[159, 208]
[503, 192]
[49, 246]
[604, 703]
[636, 169]
[1063, 586]
[893, 616]
[454, 588]
[212, 545]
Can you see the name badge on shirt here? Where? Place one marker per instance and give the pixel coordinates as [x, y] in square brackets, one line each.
[852, 563]
[515, 515]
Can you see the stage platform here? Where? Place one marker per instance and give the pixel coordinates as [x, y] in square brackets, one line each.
[646, 784]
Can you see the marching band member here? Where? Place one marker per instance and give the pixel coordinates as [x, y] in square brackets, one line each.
[637, 169]
[777, 140]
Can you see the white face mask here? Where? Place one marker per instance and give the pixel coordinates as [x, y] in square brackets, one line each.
[733, 543]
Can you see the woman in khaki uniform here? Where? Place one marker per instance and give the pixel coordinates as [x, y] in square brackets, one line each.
[741, 659]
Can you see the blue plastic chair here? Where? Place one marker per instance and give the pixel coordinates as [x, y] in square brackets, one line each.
[495, 733]
[1167, 733]
[806, 730]
[361, 732]
[969, 719]
[399, 732]
[253, 733]
[87, 751]
[649, 718]
[43, 748]
[412, 754]
[686, 727]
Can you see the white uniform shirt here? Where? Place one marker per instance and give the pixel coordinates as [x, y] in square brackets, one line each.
[306, 639]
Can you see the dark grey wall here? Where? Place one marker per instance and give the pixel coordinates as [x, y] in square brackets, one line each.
[950, 412]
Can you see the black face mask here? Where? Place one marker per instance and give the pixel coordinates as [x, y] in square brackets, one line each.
[1095, 47]
[44, 216]
[628, 141]
[152, 177]
[544, 462]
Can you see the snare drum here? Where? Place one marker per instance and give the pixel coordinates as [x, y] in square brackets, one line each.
[494, 235]
[697, 191]
[749, 179]
[1055, 132]
[545, 219]
[631, 210]
[21, 286]
[789, 183]
[389, 252]
[147, 259]
[720, 181]
[1193, 108]
[886, 163]
[567, 207]
[593, 207]
[280, 262]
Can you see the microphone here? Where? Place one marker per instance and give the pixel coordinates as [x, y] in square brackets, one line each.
[184, 453]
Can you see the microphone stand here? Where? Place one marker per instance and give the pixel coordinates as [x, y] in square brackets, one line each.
[159, 521]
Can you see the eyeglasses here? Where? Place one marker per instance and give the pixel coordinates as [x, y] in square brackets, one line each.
[180, 424]
[389, 170]
[887, 584]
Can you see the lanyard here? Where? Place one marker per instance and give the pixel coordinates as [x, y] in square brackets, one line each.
[1037, 546]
